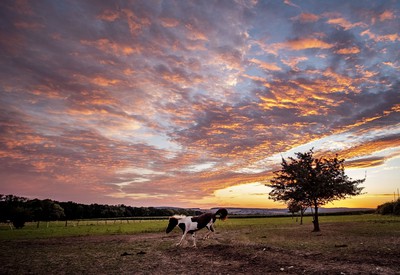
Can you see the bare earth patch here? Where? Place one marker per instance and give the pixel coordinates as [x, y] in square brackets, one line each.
[156, 253]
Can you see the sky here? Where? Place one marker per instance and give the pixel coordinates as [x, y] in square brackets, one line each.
[194, 103]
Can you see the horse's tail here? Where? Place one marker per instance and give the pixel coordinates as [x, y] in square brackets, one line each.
[222, 214]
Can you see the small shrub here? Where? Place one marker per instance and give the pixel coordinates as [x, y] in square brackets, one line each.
[19, 217]
[389, 208]
[396, 208]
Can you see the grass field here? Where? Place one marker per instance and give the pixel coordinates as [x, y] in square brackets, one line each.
[359, 244]
[81, 228]
[370, 223]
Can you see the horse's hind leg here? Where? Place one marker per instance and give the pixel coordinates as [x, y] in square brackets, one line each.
[194, 239]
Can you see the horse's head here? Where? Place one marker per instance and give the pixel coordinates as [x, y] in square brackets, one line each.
[222, 214]
[173, 221]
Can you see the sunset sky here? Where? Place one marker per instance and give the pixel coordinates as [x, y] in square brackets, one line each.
[194, 103]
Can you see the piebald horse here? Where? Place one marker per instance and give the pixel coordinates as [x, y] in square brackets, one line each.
[190, 224]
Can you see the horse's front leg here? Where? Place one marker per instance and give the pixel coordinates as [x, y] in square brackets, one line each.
[207, 236]
[210, 231]
[183, 237]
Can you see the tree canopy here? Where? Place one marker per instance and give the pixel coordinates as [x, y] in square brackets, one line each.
[312, 182]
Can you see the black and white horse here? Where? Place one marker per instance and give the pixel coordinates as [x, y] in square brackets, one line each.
[190, 224]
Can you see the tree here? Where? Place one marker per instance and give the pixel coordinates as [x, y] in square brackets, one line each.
[297, 207]
[312, 182]
[50, 211]
[13, 210]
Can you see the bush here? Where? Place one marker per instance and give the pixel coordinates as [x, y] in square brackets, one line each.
[19, 217]
[389, 208]
[396, 208]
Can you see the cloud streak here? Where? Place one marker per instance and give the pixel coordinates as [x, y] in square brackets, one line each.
[167, 103]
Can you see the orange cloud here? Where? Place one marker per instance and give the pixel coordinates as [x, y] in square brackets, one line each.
[295, 45]
[109, 15]
[386, 15]
[391, 64]
[365, 163]
[135, 23]
[307, 43]
[259, 79]
[104, 82]
[195, 34]
[352, 50]
[359, 155]
[394, 109]
[292, 62]
[340, 82]
[289, 3]
[265, 65]
[109, 46]
[344, 23]
[391, 37]
[169, 22]
[307, 17]
[381, 38]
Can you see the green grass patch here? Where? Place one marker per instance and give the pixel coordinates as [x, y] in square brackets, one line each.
[81, 228]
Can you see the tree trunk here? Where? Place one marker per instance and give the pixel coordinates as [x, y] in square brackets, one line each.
[315, 221]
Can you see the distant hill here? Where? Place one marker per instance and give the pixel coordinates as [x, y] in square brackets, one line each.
[269, 211]
[279, 211]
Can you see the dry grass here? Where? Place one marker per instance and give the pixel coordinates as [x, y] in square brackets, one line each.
[366, 244]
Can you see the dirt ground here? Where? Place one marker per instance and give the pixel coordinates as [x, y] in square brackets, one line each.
[153, 253]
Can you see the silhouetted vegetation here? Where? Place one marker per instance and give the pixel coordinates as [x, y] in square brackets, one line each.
[312, 182]
[297, 207]
[389, 208]
[18, 210]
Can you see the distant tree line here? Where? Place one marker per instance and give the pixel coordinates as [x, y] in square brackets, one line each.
[389, 208]
[19, 210]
